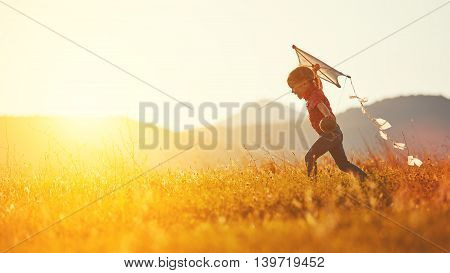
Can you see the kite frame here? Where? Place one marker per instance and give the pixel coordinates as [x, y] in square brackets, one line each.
[323, 76]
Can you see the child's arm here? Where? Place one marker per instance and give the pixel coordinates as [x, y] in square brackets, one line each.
[317, 80]
[324, 110]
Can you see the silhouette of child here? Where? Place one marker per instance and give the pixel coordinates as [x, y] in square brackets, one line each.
[307, 85]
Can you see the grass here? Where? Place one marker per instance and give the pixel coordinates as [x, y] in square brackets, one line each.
[272, 207]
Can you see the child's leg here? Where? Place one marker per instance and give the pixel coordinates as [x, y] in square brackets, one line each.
[344, 165]
[321, 146]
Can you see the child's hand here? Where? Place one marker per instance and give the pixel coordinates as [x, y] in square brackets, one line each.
[316, 67]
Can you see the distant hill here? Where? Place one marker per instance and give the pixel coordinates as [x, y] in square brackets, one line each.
[424, 121]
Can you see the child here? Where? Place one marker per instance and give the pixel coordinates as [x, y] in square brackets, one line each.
[307, 85]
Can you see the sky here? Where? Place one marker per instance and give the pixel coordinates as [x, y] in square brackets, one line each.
[212, 51]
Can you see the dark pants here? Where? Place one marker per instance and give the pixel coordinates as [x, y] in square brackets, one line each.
[332, 142]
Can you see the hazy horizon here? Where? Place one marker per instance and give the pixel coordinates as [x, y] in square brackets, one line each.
[221, 121]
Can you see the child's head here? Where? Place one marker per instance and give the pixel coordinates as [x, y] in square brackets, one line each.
[301, 80]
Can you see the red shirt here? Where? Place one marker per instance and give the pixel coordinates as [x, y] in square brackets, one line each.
[315, 97]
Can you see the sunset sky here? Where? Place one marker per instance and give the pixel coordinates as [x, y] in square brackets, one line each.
[214, 51]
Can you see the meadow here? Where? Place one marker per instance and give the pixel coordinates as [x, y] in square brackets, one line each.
[242, 206]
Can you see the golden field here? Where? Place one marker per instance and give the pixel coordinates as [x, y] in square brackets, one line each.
[265, 206]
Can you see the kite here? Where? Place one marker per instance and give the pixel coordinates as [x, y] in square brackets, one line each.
[325, 72]
[330, 74]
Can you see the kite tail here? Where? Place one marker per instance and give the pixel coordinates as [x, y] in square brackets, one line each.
[382, 126]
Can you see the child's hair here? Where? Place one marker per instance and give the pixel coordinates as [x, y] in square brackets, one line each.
[299, 74]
